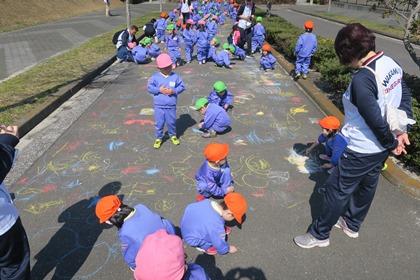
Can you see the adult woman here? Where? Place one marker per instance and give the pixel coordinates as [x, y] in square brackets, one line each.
[185, 10]
[351, 187]
[244, 18]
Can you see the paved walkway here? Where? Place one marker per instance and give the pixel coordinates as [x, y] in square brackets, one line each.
[108, 149]
[328, 29]
[26, 47]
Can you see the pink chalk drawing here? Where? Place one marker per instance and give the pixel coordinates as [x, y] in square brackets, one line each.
[131, 170]
[139, 122]
[49, 188]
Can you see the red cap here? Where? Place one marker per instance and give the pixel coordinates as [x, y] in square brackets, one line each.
[266, 47]
[106, 207]
[237, 204]
[329, 122]
[216, 152]
[309, 24]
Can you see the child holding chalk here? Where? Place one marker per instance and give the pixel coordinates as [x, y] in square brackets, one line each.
[216, 120]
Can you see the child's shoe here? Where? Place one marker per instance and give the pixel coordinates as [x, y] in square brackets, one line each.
[297, 75]
[304, 76]
[175, 140]
[210, 251]
[204, 61]
[209, 134]
[157, 144]
[200, 62]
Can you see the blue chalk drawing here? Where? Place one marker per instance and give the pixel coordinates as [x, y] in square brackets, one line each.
[115, 145]
[72, 184]
[196, 130]
[152, 171]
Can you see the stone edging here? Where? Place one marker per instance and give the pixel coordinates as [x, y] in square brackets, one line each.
[393, 173]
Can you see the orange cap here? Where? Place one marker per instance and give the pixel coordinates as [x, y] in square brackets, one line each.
[266, 47]
[164, 15]
[309, 24]
[330, 122]
[216, 152]
[106, 207]
[237, 204]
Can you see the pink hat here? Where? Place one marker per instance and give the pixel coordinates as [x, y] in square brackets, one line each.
[190, 21]
[163, 60]
[132, 45]
[201, 22]
[161, 257]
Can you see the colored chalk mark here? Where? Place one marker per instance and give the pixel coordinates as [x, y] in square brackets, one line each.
[115, 145]
[164, 205]
[38, 208]
[131, 170]
[260, 113]
[196, 130]
[139, 122]
[298, 110]
[152, 171]
[147, 112]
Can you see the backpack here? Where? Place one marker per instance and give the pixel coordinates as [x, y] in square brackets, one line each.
[116, 35]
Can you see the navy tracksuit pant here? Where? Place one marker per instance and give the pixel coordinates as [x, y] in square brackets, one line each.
[14, 254]
[349, 192]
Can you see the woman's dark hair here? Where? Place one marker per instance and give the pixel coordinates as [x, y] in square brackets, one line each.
[118, 218]
[353, 42]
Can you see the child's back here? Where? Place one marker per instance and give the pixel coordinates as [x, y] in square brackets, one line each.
[306, 45]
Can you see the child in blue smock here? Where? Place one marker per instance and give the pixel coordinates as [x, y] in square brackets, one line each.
[214, 44]
[134, 224]
[214, 178]
[237, 52]
[154, 51]
[222, 58]
[267, 61]
[141, 52]
[190, 38]
[258, 35]
[221, 96]
[203, 223]
[165, 86]
[172, 42]
[216, 120]
[160, 26]
[211, 27]
[203, 44]
[173, 15]
[306, 47]
[334, 142]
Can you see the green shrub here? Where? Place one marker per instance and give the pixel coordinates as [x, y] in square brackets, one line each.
[283, 35]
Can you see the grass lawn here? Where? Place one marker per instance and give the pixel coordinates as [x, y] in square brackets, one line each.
[26, 91]
[18, 14]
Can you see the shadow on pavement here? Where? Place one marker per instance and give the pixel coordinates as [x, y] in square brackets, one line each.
[317, 197]
[183, 123]
[70, 246]
[209, 264]
[250, 273]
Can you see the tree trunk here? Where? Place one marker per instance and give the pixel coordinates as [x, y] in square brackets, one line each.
[406, 39]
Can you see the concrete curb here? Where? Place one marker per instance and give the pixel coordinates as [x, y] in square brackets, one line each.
[342, 22]
[393, 173]
[33, 118]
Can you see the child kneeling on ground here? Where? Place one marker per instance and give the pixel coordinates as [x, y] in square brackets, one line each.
[216, 120]
[213, 178]
[134, 224]
[267, 61]
[203, 223]
[221, 96]
[334, 142]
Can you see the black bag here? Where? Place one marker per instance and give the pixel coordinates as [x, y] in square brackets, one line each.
[116, 35]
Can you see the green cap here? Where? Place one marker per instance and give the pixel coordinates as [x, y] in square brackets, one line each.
[170, 27]
[200, 103]
[259, 19]
[219, 86]
[146, 41]
[217, 41]
[226, 46]
[232, 48]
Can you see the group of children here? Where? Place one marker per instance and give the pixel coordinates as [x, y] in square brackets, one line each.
[150, 245]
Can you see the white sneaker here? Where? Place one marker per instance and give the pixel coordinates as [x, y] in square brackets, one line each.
[308, 241]
[341, 223]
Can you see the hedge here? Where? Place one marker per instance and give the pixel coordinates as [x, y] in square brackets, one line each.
[335, 77]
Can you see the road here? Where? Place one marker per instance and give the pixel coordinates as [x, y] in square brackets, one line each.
[100, 142]
[24, 48]
[392, 47]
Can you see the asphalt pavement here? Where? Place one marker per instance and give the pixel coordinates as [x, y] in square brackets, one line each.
[26, 47]
[328, 29]
[106, 148]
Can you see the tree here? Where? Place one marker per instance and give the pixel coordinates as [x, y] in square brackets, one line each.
[412, 23]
